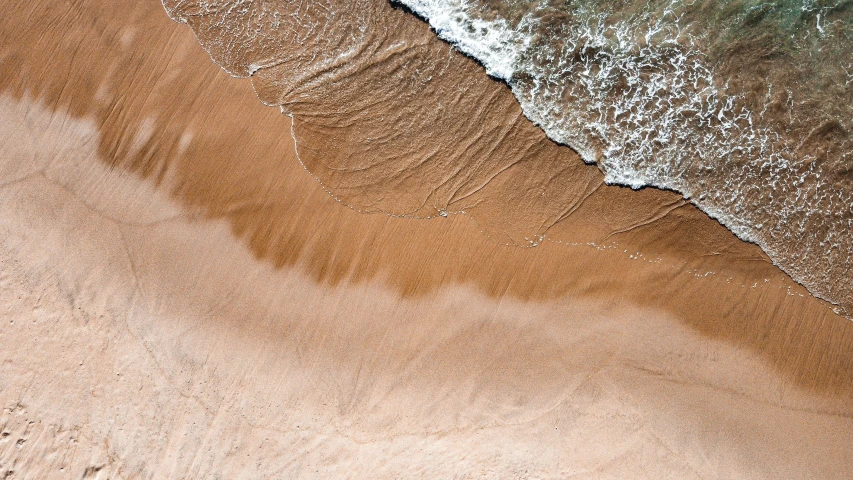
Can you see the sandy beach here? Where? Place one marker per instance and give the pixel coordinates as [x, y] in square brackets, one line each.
[182, 298]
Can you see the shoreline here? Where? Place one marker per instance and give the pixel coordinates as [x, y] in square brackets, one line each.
[183, 301]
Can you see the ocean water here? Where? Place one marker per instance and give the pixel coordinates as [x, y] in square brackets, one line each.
[744, 108]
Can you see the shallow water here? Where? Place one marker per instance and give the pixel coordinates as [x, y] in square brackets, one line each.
[743, 108]
[190, 303]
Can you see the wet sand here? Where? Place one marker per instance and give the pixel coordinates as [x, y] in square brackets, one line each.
[182, 299]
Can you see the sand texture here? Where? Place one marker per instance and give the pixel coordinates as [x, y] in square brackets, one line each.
[181, 297]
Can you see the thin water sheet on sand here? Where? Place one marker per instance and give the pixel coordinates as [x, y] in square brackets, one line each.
[181, 299]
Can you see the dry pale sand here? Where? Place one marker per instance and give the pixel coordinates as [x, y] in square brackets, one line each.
[180, 299]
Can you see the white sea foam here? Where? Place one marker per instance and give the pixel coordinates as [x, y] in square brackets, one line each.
[634, 96]
[493, 43]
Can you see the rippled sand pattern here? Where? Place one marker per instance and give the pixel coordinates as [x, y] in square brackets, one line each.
[181, 299]
[743, 107]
